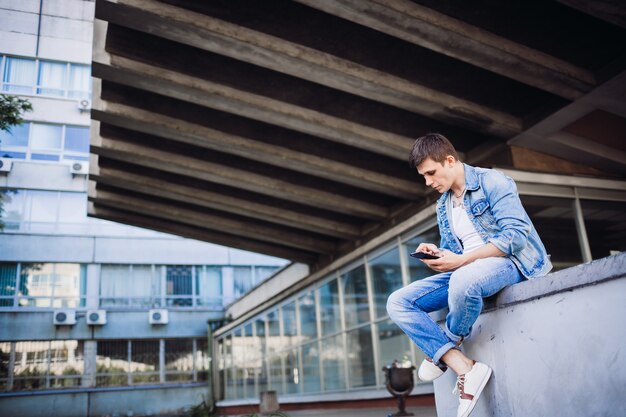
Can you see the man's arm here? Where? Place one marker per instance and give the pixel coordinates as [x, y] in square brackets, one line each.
[450, 261]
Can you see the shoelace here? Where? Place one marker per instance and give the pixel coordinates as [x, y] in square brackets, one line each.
[459, 387]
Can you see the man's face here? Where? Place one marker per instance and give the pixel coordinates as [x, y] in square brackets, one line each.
[437, 175]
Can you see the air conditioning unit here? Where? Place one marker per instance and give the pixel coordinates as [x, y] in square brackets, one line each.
[79, 168]
[5, 164]
[84, 104]
[158, 316]
[64, 317]
[96, 317]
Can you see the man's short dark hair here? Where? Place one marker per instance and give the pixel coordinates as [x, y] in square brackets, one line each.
[432, 145]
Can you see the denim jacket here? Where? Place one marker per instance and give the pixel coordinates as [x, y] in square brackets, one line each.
[495, 210]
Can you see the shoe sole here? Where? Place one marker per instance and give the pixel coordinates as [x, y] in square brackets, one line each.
[478, 392]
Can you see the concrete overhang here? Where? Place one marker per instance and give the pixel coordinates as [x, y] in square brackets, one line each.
[283, 127]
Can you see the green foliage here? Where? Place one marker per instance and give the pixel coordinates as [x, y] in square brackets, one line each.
[11, 109]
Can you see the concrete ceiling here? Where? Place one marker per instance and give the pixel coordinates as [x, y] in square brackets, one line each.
[283, 127]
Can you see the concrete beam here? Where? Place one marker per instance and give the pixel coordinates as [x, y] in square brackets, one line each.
[218, 201]
[192, 232]
[237, 42]
[183, 165]
[194, 134]
[612, 11]
[170, 211]
[253, 106]
[436, 31]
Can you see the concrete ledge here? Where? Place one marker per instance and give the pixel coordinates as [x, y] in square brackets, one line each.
[555, 346]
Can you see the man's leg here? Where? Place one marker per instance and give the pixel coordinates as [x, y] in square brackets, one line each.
[409, 306]
[469, 285]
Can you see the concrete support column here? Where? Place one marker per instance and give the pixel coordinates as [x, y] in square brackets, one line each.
[90, 351]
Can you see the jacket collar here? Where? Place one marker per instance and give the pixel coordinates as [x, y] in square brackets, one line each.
[471, 178]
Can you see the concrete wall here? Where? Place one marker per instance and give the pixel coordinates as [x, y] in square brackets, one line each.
[139, 402]
[555, 345]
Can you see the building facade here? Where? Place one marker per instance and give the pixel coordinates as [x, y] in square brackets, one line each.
[91, 309]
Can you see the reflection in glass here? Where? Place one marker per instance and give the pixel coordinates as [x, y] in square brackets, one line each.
[292, 372]
[144, 361]
[605, 223]
[311, 368]
[273, 328]
[393, 343]
[112, 363]
[329, 308]
[333, 358]
[290, 329]
[276, 373]
[308, 320]
[8, 283]
[355, 297]
[179, 360]
[386, 278]
[361, 371]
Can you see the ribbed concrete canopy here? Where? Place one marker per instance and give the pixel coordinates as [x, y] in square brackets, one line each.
[283, 127]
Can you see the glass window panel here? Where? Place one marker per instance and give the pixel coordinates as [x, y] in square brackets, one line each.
[80, 81]
[5, 359]
[605, 224]
[311, 368]
[209, 286]
[46, 136]
[13, 155]
[251, 359]
[360, 352]
[329, 308]
[43, 206]
[276, 373]
[386, 278]
[36, 280]
[242, 278]
[393, 344]
[144, 363]
[73, 208]
[179, 360]
[202, 359]
[52, 78]
[17, 137]
[417, 269]
[67, 363]
[13, 213]
[8, 283]
[112, 363]
[239, 362]
[31, 365]
[292, 372]
[290, 329]
[554, 220]
[333, 362]
[178, 285]
[68, 286]
[308, 320]
[19, 75]
[77, 139]
[273, 337]
[263, 272]
[260, 334]
[355, 297]
[44, 157]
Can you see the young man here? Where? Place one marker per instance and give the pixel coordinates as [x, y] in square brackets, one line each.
[487, 243]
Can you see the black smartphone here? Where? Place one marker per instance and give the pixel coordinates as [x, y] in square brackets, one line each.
[424, 255]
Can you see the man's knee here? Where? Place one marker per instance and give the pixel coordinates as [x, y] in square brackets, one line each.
[394, 301]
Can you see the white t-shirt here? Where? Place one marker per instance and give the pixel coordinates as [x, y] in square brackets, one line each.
[463, 228]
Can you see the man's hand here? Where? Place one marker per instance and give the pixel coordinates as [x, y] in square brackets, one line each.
[429, 248]
[448, 261]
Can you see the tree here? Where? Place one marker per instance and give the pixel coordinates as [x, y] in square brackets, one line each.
[11, 110]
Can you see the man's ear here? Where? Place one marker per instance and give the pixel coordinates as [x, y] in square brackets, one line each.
[450, 161]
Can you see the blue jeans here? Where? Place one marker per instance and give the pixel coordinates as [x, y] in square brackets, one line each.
[462, 291]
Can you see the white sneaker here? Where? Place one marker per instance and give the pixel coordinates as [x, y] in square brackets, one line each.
[470, 386]
[428, 371]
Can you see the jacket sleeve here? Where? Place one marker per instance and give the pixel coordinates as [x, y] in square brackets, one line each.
[508, 212]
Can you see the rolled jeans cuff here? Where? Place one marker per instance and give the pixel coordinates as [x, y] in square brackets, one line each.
[442, 351]
[456, 339]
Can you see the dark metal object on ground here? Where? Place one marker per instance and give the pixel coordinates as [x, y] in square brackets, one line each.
[400, 383]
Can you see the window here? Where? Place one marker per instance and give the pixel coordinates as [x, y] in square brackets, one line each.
[209, 286]
[19, 75]
[605, 226]
[179, 360]
[308, 316]
[128, 285]
[360, 356]
[52, 285]
[417, 269]
[46, 142]
[8, 283]
[329, 308]
[48, 78]
[386, 278]
[178, 285]
[355, 297]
